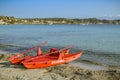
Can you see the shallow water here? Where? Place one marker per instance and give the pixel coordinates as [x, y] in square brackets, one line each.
[100, 42]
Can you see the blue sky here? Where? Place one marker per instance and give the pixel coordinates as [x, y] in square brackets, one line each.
[61, 8]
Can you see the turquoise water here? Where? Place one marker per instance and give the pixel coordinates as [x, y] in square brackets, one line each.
[100, 39]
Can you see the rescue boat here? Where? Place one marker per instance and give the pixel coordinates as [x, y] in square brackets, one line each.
[53, 59]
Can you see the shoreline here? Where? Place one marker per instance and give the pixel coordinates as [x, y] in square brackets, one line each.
[106, 58]
[5, 20]
[69, 71]
[17, 48]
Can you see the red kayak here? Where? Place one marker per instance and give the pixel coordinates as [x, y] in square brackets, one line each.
[53, 59]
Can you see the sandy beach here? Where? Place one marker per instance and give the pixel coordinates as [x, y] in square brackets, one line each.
[70, 71]
[82, 34]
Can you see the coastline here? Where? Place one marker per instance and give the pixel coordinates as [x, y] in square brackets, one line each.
[69, 71]
[5, 20]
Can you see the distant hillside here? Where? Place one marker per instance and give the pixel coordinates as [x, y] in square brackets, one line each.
[13, 20]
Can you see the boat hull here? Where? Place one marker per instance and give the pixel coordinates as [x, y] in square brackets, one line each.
[47, 62]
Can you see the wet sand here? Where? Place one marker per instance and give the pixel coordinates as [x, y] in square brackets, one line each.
[88, 66]
[71, 71]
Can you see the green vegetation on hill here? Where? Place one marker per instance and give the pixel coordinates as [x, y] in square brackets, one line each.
[13, 20]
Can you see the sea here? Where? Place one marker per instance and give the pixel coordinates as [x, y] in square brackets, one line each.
[100, 42]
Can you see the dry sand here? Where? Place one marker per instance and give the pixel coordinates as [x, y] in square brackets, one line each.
[70, 71]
